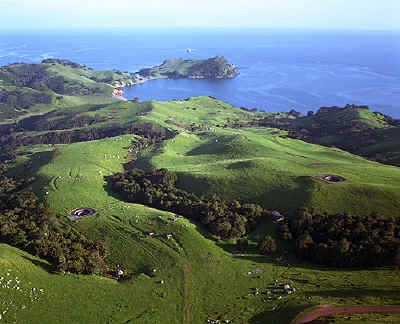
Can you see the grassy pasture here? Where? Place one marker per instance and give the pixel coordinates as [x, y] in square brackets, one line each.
[259, 165]
[202, 278]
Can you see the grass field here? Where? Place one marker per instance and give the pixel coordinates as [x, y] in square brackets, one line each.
[197, 277]
[259, 165]
[202, 278]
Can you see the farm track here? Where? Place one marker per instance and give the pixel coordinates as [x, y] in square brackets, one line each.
[327, 310]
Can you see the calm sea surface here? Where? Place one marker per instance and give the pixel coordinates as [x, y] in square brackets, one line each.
[279, 70]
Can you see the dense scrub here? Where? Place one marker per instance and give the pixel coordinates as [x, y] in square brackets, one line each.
[345, 241]
[157, 189]
[22, 99]
[146, 130]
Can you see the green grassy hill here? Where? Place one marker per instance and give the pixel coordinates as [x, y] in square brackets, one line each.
[55, 84]
[202, 278]
[257, 165]
[251, 164]
[355, 129]
[73, 143]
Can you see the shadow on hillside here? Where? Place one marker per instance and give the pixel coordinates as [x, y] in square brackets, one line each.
[108, 188]
[45, 266]
[288, 199]
[285, 199]
[34, 163]
[30, 169]
[283, 314]
[250, 253]
[357, 292]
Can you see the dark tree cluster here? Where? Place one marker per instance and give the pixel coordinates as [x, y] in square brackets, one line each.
[56, 121]
[19, 98]
[343, 240]
[27, 224]
[6, 154]
[267, 245]
[25, 75]
[62, 62]
[147, 130]
[157, 189]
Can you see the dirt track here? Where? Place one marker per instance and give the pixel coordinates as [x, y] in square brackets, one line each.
[328, 310]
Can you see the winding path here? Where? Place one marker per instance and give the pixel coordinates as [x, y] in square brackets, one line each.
[327, 310]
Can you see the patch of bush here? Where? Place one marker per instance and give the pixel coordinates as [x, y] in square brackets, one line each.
[343, 240]
[157, 189]
[22, 99]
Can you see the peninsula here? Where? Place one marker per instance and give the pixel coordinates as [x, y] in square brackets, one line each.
[212, 68]
[216, 68]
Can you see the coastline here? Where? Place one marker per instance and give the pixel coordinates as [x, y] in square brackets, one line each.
[216, 68]
[118, 91]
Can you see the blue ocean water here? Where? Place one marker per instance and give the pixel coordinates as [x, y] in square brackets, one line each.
[279, 70]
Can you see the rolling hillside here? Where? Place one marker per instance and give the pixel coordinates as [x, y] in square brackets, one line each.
[202, 278]
[174, 270]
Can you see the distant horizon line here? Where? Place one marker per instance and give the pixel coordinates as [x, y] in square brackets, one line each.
[189, 28]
